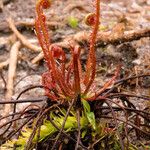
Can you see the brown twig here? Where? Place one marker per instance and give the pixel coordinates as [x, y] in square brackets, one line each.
[79, 130]
[75, 4]
[137, 111]
[38, 118]
[1, 6]
[12, 114]
[33, 100]
[103, 39]
[117, 125]
[39, 57]
[25, 90]
[121, 81]
[4, 64]
[65, 44]
[28, 75]
[14, 109]
[52, 122]
[18, 129]
[128, 123]
[23, 39]
[115, 95]
[29, 24]
[63, 124]
[131, 78]
[3, 78]
[19, 117]
[10, 122]
[11, 74]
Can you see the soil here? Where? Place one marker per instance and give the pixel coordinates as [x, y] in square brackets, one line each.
[133, 55]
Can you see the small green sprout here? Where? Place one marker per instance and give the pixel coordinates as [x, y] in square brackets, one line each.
[73, 22]
[103, 28]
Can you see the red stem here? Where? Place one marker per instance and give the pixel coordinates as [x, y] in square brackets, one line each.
[77, 88]
[106, 85]
[91, 63]
[42, 34]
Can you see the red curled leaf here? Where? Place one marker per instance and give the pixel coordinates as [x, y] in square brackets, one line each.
[90, 19]
[46, 3]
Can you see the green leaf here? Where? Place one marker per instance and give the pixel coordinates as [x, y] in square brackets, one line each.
[47, 129]
[91, 119]
[26, 132]
[86, 106]
[8, 145]
[116, 146]
[83, 133]
[73, 22]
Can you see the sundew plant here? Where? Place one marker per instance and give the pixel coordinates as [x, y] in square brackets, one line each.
[64, 83]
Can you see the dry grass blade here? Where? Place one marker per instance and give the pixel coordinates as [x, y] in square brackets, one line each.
[11, 75]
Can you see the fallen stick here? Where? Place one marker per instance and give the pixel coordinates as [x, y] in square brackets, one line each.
[29, 24]
[128, 36]
[37, 58]
[11, 75]
[103, 39]
[65, 44]
[4, 64]
[1, 6]
[22, 38]
[32, 100]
